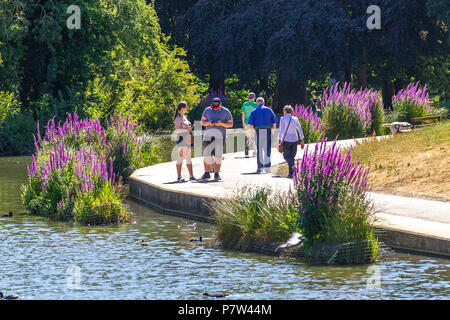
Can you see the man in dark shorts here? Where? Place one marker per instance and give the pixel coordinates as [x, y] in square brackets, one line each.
[216, 119]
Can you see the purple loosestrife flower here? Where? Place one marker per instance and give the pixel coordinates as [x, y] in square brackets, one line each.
[110, 167]
[317, 177]
[65, 143]
[346, 112]
[411, 102]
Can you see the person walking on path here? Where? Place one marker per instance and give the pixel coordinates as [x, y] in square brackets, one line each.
[246, 109]
[287, 135]
[216, 119]
[263, 119]
[183, 129]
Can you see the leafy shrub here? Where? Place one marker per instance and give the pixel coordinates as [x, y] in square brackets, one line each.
[235, 95]
[409, 103]
[312, 127]
[8, 105]
[330, 198]
[148, 89]
[15, 133]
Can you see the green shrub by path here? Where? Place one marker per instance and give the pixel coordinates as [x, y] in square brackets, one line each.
[346, 113]
[409, 103]
[15, 134]
[253, 213]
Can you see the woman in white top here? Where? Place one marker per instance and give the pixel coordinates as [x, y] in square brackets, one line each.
[287, 134]
[183, 129]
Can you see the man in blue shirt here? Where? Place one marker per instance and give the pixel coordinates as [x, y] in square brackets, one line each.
[263, 119]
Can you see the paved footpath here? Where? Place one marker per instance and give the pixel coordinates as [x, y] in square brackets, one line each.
[409, 224]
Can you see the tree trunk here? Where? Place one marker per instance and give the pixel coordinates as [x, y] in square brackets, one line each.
[387, 92]
[217, 84]
[362, 70]
[398, 85]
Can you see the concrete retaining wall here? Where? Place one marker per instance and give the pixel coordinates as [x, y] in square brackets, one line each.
[170, 202]
[415, 243]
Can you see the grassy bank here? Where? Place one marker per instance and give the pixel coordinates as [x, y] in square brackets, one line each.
[413, 164]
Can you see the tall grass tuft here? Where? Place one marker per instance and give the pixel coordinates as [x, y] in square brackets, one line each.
[253, 213]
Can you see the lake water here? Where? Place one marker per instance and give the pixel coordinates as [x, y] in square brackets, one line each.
[43, 259]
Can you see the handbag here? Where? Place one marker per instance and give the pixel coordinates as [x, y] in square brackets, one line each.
[280, 146]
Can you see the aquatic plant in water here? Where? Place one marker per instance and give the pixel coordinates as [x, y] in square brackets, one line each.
[330, 197]
[78, 167]
[253, 213]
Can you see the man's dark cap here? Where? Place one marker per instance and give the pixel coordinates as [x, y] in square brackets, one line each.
[216, 101]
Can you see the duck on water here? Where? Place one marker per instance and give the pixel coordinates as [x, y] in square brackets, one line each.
[8, 297]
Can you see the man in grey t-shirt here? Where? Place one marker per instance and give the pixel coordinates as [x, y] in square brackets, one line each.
[216, 119]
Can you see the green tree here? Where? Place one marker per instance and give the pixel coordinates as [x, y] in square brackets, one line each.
[440, 9]
[94, 69]
[13, 27]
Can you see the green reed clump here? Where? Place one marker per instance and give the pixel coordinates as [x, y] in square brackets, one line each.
[253, 213]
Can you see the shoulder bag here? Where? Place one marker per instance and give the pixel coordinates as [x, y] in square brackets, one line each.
[280, 146]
